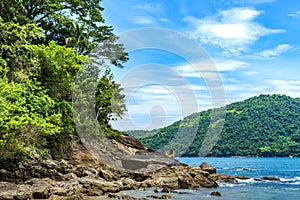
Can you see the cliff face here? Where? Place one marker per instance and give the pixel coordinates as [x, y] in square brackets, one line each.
[81, 175]
[128, 154]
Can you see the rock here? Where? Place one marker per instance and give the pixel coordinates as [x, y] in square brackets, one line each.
[60, 191]
[242, 177]
[132, 142]
[134, 164]
[49, 164]
[170, 154]
[6, 176]
[223, 177]
[6, 195]
[70, 176]
[270, 178]
[208, 168]
[39, 172]
[160, 197]
[107, 175]
[196, 171]
[85, 171]
[203, 181]
[139, 176]
[125, 197]
[166, 190]
[246, 168]
[23, 193]
[185, 183]
[215, 193]
[99, 187]
[41, 189]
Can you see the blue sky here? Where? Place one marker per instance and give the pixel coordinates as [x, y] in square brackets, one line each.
[254, 46]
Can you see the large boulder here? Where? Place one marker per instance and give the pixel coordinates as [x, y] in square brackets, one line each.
[208, 168]
[132, 142]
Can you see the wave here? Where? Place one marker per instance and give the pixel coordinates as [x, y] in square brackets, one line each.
[250, 180]
[244, 182]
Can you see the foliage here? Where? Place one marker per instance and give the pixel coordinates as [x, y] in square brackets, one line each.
[110, 102]
[72, 23]
[41, 49]
[267, 126]
[27, 117]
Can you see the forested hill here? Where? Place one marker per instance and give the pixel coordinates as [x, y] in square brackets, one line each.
[267, 126]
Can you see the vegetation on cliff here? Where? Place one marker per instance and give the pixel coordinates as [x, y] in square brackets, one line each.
[267, 125]
[43, 45]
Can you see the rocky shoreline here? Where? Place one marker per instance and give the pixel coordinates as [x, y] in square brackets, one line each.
[81, 176]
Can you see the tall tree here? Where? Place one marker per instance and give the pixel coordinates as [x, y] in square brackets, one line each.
[109, 101]
[74, 23]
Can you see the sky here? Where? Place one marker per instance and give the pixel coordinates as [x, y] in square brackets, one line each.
[186, 56]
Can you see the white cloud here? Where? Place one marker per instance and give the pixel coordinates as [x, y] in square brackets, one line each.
[189, 71]
[163, 20]
[144, 20]
[149, 7]
[275, 52]
[249, 73]
[232, 30]
[295, 14]
[288, 87]
[230, 65]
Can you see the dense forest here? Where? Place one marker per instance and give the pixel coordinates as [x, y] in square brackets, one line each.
[43, 46]
[265, 126]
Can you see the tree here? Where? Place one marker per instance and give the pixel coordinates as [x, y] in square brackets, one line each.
[72, 23]
[109, 101]
[40, 55]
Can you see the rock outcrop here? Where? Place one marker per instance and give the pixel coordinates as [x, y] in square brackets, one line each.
[81, 176]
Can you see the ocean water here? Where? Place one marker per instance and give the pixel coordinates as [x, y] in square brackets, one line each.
[287, 169]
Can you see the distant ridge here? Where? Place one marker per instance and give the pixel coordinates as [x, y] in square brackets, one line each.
[264, 126]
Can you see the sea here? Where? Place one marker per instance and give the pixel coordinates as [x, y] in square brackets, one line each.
[287, 188]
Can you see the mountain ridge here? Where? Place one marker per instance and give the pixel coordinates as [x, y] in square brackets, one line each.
[261, 126]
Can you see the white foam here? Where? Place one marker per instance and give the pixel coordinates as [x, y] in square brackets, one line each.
[250, 180]
[290, 179]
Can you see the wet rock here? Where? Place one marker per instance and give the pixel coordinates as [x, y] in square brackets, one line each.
[270, 178]
[246, 168]
[242, 177]
[160, 197]
[202, 181]
[125, 197]
[155, 190]
[208, 168]
[223, 177]
[215, 193]
[166, 190]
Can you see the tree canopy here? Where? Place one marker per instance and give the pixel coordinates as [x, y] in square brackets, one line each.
[71, 23]
[43, 45]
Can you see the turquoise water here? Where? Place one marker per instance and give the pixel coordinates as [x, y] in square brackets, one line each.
[287, 169]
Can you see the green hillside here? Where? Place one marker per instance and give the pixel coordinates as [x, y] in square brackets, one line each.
[267, 126]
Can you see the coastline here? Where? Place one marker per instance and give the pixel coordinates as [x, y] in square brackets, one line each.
[81, 176]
